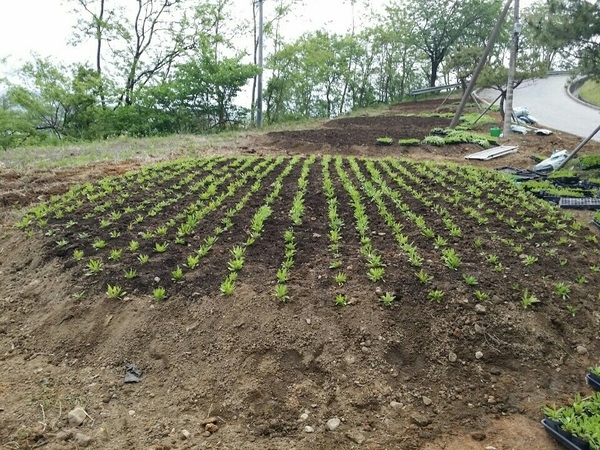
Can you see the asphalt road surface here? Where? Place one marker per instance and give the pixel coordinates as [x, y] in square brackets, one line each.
[547, 101]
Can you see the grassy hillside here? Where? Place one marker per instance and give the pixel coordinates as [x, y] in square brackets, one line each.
[590, 92]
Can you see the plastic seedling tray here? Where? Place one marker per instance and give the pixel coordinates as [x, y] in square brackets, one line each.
[593, 381]
[566, 439]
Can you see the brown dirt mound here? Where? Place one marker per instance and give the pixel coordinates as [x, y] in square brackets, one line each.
[266, 370]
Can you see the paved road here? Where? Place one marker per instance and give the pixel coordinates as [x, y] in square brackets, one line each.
[549, 103]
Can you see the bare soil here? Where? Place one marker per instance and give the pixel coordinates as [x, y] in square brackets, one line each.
[255, 365]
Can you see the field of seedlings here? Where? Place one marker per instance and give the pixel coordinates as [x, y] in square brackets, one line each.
[293, 298]
[417, 232]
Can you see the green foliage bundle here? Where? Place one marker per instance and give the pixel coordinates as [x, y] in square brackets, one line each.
[441, 137]
[566, 175]
[590, 162]
[436, 141]
[385, 141]
[409, 142]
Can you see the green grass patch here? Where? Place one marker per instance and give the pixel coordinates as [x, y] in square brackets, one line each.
[590, 92]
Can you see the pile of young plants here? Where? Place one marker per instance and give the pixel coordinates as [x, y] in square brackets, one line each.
[577, 426]
[414, 231]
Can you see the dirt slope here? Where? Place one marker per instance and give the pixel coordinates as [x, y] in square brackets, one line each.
[405, 377]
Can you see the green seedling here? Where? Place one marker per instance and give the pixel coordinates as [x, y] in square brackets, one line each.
[424, 277]
[281, 292]
[130, 274]
[387, 298]
[161, 248]
[115, 254]
[99, 244]
[528, 299]
[562, 290]
[177, 274]
[159, 293]
[340, 300]
[481, 296]
[375, 274]
[340, 278]
[470, 280]
[114, 291]
[435, 295]
[94, 266]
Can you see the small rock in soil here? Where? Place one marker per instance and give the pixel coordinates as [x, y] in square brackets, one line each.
[479, 329]
[64, 435]
[478, 436]
[212, 419]
[206, 434]
[83, 439]
[581, 350]
[427, 401]
[355, 437]
[76, 416]
[309, 429]
[211, 427]
[303, 417]
[396, 405]
[480, 309]
[419, 419]
[333, 424]
[185, 434]
[479, 355]
[452, 357]
[132, 412]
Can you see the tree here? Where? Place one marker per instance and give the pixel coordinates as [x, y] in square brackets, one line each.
[15, 125]
[569, 28]
[271, 29]
[441, 25]
[200, 95]
[53, 99]
[99, 22]
[537, 36]
[495, 75]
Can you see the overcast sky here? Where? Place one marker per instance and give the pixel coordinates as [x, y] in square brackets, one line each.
[44, 26]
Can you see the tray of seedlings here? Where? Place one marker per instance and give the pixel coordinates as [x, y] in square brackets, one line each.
[576, 426]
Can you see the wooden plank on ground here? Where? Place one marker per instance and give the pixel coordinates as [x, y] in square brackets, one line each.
[492, 153]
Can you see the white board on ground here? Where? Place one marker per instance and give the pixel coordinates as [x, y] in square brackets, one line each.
[492, 153]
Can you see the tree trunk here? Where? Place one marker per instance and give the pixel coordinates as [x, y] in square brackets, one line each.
[99, 37]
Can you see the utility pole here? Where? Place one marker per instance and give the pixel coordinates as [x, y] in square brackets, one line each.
[259, 98]
[512, 68]
[481, 64]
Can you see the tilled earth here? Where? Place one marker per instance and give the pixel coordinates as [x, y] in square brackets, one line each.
[405, 377]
